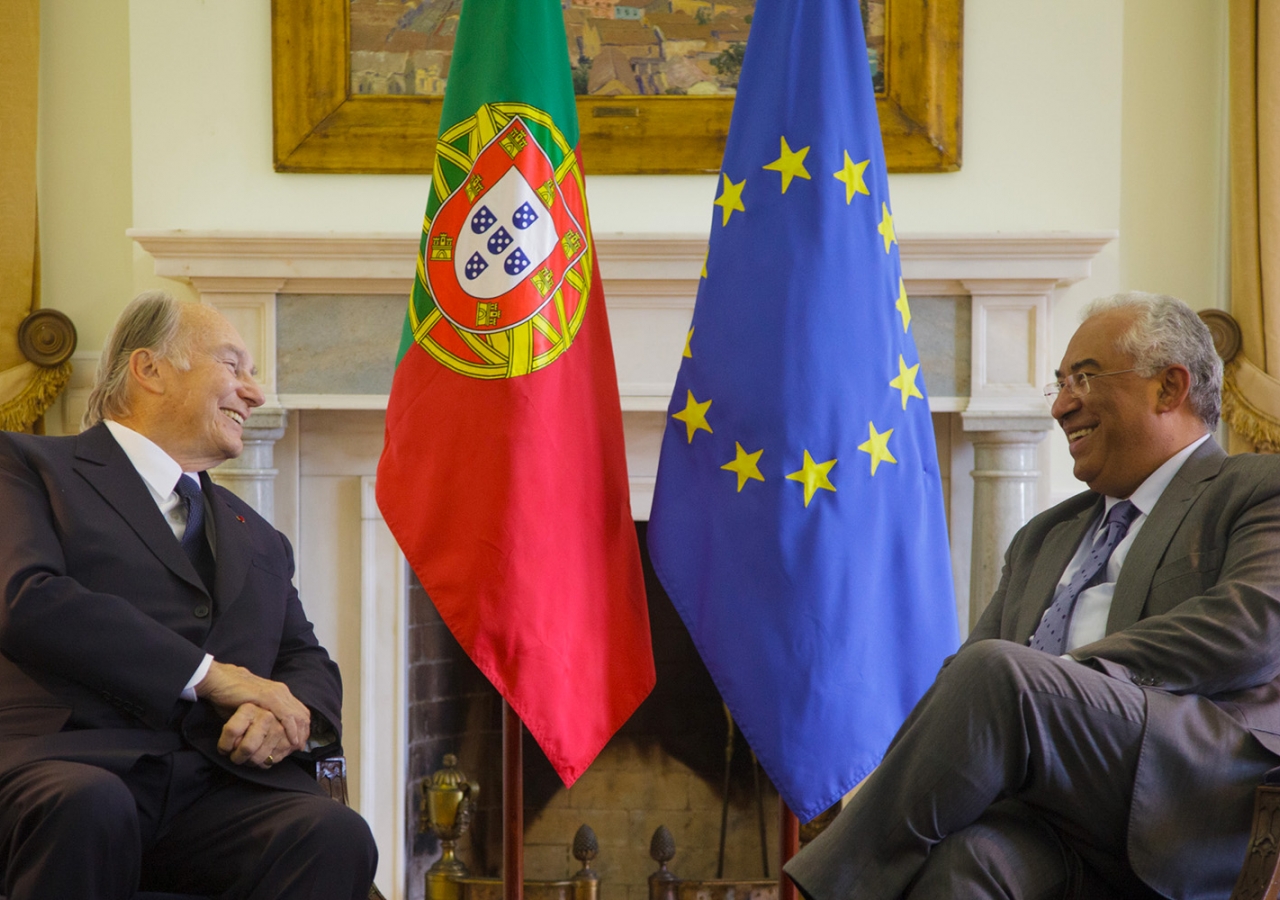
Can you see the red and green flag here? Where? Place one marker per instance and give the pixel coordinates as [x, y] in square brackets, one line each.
[504, 477]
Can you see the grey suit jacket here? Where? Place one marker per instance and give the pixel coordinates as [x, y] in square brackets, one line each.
[103, 618]
[1195, 620]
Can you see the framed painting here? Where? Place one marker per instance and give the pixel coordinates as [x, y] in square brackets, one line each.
[357, 84]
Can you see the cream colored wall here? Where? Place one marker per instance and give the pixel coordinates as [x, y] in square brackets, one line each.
[201, 105]
[85, 192]
[1173, 200]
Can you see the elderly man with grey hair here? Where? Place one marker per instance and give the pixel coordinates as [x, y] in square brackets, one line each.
[159, 682]
[1101, 731]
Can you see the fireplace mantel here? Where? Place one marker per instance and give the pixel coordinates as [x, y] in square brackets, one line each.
[1011, 277]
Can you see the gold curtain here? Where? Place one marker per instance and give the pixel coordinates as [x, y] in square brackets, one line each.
[1251, 395]
[26, 389]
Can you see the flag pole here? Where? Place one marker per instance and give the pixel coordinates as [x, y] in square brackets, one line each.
[788, 847]
[512, 805]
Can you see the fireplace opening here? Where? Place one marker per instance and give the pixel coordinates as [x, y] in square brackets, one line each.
[666, 766]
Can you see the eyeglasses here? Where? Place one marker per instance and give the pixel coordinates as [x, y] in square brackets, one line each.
[1077, 383]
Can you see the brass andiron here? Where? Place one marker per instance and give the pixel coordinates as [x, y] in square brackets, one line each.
[445, 811]
[663, 884]
[666, 885]
[586, 846]
[585, 885]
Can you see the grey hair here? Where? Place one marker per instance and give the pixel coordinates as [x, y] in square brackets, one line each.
[152, 321]
[1167, 332]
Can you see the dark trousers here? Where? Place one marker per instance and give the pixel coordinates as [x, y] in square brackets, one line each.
[1012, 778]
[174, 823]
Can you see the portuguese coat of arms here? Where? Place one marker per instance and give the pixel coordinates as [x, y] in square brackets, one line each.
[507, 255]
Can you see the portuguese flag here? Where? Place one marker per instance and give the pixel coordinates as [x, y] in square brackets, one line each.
[504, 477]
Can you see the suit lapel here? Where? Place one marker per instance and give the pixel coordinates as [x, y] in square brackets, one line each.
[1134, 583]
[102, 463]
[1051, 561]
[232, 550]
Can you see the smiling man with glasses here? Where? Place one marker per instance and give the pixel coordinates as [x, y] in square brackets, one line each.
[1101, 731]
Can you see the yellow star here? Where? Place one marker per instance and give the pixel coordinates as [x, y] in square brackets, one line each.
[878, 446]
[688, 353]
[886, 227]
[730, 198]
[790, 164]
[813, 476]
[694, 415]
[744, 465]
[704, 262]
[851, 175]
[905, 382]
[902, 306]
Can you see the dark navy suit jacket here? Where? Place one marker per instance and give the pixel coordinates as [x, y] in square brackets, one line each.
[104, 618]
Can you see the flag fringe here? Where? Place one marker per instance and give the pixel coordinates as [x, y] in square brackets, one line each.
[22, 411]
[1245, 418]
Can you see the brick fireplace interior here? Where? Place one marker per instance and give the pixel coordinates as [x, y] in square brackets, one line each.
[666, 766]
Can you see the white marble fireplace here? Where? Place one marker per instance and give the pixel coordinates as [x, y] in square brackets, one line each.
[319, 313]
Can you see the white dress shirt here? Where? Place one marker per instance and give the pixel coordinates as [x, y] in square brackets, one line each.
[160, 472]
[1089, 619]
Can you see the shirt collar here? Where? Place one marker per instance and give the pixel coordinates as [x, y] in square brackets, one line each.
[1149, 491]
[158, 469]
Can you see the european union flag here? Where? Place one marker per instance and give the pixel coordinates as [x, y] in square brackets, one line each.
[797, 520]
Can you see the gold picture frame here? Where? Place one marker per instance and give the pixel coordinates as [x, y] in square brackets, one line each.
[319, 126]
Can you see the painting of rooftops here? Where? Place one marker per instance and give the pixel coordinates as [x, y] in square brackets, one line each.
[615, 47]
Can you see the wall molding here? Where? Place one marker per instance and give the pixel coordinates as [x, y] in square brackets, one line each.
[334, 263]
[651, 281]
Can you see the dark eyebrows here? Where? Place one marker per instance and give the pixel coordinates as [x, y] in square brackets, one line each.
[1077, 366]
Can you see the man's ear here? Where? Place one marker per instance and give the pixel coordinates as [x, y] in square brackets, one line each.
[146, 372]
[1175, 387]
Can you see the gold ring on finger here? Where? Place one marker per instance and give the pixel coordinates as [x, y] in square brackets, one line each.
[271, 760]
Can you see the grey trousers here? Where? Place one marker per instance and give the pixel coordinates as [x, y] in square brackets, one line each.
[1012, 778]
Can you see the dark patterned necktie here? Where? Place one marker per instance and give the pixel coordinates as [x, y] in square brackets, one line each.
[194, 542]
[1051, 635]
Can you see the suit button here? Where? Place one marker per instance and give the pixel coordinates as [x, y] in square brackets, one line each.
[201, 611]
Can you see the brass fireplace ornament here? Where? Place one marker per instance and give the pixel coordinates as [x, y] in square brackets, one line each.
[445, 810]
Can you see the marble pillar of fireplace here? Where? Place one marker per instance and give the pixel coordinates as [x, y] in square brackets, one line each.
[981, 314]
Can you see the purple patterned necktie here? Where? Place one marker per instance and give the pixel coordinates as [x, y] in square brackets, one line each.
[1051, 635]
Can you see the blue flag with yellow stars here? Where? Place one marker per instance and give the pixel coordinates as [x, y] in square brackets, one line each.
[798, 521]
